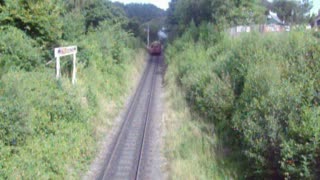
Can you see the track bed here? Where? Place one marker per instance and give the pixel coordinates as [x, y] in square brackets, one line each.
[126, 156]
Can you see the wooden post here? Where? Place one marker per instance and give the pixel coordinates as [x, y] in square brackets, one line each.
[58, 68]
[74, 71]
[65, 51]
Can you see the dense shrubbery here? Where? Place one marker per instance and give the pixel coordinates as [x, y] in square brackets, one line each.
[17, 50]
[38, 19]
[32, 102]
[47, 127]
[262, 93]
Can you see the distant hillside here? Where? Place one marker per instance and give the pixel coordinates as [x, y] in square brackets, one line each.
[142, 12]
[155, 25]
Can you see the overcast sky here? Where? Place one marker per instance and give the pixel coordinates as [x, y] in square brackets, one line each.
[163, 4]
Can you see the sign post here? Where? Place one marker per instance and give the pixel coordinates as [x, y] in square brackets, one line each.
[65, 51]
[148, 38]
[74, 70]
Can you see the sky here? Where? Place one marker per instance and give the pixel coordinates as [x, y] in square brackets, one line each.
[163, 4]
[316, 6]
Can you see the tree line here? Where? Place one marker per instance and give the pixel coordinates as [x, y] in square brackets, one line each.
[224, 13]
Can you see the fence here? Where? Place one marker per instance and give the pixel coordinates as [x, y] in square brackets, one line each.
[235, 31]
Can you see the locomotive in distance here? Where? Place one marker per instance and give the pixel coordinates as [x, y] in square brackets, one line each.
[155, 49]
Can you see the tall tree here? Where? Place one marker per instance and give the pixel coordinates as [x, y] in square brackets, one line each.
[141, 16]
[143, 12]
[293, 12]
[218, 12]
[171, 18]
[39, 19]
[193, 10]
[100, 10]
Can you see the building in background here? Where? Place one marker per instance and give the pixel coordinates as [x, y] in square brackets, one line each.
[274, 24]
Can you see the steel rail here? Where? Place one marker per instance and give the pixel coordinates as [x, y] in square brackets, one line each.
[129, 111]
[127, 121]
[147, 119]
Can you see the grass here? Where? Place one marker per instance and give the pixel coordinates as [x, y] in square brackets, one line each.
[192, 148]
[110, 106]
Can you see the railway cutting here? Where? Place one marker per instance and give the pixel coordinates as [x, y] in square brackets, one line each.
[126, 158]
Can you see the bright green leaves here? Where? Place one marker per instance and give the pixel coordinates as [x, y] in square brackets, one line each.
[38, 19]
[73, 26]
[261, 93]
[100, 11]
[18, 51]
[221, 13]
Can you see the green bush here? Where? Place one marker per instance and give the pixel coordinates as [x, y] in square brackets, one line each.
[31, 102]
[73, 26]
[17, 50]
[40, 20]
[104, 50]
[262, 91]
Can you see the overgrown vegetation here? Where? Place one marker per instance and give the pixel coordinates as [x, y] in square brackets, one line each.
[226, 13]
[260, 91]
[221, 13]
[191, 146]
[49, 129]
[262, 95]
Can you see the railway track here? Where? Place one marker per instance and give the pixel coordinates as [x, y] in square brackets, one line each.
[125, 157]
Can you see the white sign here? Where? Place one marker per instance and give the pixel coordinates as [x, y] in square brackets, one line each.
[65, 51]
